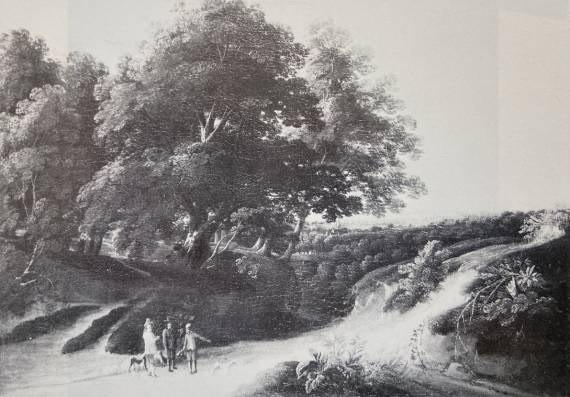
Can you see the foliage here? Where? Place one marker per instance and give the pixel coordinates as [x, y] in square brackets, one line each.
[210, 99]
[337, 369]
[420, 277]
[366, 134]
[341, 368]
[509, 290]
[545, 225]
[416, 350]
[46, 148]
[23, 66]
[245, 266]
[42, 163]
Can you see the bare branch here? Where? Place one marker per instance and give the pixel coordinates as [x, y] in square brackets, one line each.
[221, 124]
[211, 119]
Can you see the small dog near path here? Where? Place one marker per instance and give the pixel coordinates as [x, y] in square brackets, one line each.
[137, 364]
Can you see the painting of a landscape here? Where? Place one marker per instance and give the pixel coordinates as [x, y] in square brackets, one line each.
[286, 198]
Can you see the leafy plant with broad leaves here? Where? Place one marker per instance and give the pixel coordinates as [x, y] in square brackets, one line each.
[340, 367]
[507, 291]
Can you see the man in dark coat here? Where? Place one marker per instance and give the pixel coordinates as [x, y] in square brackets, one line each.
[169, 343]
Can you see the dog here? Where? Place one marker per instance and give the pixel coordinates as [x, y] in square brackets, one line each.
[137, 363]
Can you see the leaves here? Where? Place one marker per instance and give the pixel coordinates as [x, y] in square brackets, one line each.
[364, 133]
[23, 66]
[508, 292]
[420, 277]
[545, 225]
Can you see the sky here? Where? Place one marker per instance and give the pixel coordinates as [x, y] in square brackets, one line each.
[487, 81]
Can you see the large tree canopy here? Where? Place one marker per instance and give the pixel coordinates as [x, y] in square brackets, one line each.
[216, 117]
[209, 102]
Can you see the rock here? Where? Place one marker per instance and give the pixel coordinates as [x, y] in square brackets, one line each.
[458, 371]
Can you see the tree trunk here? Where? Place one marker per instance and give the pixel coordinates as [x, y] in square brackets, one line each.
[265, 250]
[38, 251]
[294, 236]
[198, 244]
[98, 244]
[89, 246]
[258, 244]
[81, 245]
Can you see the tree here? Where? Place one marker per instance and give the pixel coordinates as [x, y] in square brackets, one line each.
[38, 153]
[47, 153]
[218, 107]
[365, 133]
[81, 74]
[23, 66]
[209, 101]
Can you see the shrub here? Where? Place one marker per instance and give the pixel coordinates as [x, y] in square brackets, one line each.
[509, 290]
[338, 369]
[326, 270]
[421, 277]
[247, 267]
[341, 370]
[545, 225]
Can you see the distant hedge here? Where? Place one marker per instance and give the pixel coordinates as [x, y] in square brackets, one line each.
[97, 329]
[46, 324]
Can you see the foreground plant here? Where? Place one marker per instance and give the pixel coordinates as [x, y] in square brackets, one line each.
[509, 290]
[342, 368]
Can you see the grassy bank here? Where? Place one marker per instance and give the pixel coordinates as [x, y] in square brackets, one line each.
[96, 330]
[46, 324]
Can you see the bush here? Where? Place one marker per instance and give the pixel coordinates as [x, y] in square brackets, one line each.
[508, 293]
[517, 309]
[421, 277]
[545, 225]
[341, 370]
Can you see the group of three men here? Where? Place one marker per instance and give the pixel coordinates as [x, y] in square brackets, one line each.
[170, 340]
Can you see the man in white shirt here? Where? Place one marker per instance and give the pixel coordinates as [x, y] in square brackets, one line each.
[190, 347]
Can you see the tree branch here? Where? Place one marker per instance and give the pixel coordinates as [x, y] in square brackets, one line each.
[24, 190]
[34, 177]
[220, 125]
[216, 252]
[211, 119]
[201, 119]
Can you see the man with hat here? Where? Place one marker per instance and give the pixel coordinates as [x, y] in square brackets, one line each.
[169, 343]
